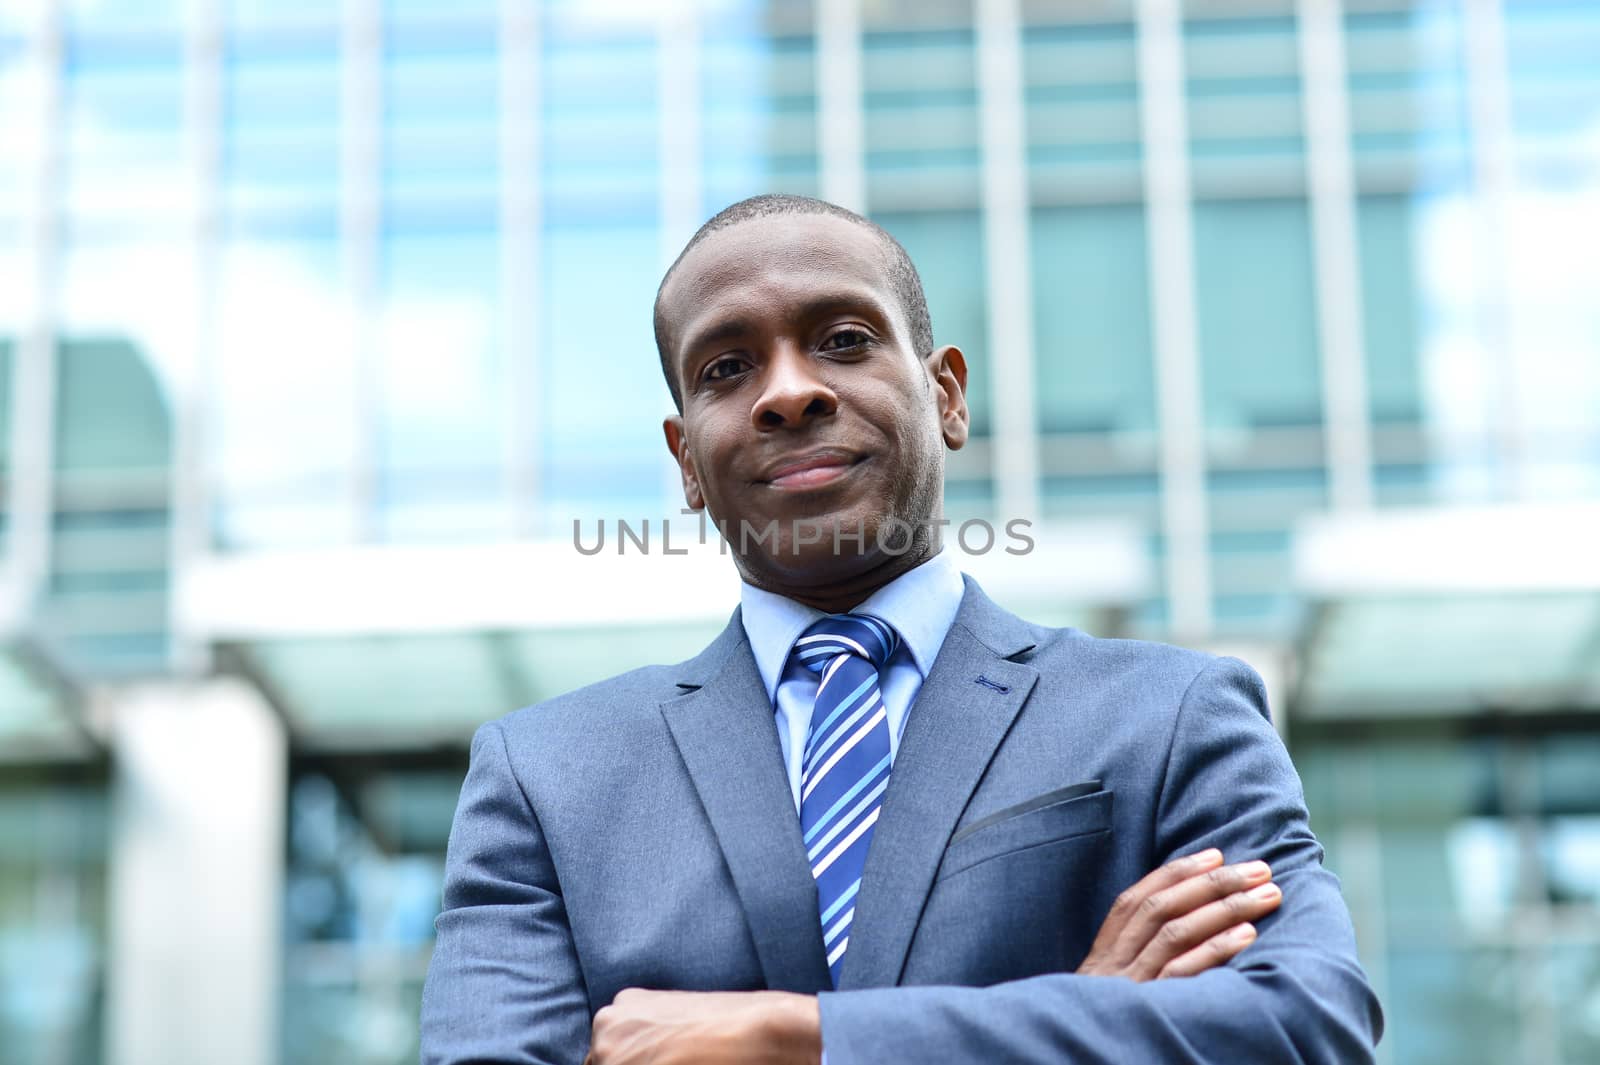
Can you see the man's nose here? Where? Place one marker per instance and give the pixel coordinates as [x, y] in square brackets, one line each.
[793, 392]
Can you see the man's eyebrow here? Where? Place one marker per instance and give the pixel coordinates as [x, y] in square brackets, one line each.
[726, 329]
[845, 299]
[835, 302]
[830, 303]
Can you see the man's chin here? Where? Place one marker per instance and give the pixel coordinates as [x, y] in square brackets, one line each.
[811, 566]
[809, 552]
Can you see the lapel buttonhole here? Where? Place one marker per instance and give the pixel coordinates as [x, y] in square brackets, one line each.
[993, 685]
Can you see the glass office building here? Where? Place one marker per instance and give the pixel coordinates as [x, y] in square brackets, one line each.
[322, 323]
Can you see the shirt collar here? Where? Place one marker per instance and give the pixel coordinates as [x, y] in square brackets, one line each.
[921, 604]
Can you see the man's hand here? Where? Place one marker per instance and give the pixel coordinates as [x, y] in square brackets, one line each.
[707, 1028]
[1190, 915]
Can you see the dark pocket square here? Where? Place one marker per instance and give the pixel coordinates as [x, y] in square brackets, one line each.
[1082, 811]
[1049, 798]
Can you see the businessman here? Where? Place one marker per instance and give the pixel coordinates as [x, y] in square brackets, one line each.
[879, 818]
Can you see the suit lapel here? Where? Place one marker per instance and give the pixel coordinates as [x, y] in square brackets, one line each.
[951, 733]
[724, 730]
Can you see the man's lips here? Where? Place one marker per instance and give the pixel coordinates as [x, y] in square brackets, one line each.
[810, 470]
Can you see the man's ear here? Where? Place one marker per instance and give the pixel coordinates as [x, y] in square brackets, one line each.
[678, 444]
[949, 369]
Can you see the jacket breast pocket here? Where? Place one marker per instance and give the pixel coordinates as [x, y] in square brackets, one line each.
[1056, 816]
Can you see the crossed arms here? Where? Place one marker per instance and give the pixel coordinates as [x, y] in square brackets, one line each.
[1191, 915]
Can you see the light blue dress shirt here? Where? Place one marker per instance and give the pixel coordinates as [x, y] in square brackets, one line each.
[921, 604]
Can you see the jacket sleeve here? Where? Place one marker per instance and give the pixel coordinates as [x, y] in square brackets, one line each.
[1297, 994]
[504, 985]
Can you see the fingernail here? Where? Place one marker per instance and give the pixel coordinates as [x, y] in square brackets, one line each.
[1266, 892]
[1244, 933]
[1208, 857]
[1256, 870]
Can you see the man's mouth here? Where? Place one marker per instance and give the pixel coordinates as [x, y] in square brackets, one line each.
[811, 470]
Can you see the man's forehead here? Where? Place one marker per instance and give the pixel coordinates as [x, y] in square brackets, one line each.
[774, 255]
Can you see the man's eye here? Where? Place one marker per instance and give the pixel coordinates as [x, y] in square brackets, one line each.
[722, 369]
[846, 340]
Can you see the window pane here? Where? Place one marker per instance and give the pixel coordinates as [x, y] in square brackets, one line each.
[284, 403]
[480, 11]
[281, 13]
[1092, 331]
[362, 885]
[113, 413]
[12, 264]
[599, 122]
[1082, 100]
[122, 14]
[1390, 301]
[441, 121]
[758, 109]
[1572, 859]
[604, 396]
[1476, 859]
[1453, 1007]
[53, 845]
[442, 417]
[1567, 781]
[1574, 976]
[1408, 95]
[124, 312]
[123, 126]
[1243, 97]
[1257, 314]
[1555, 240]
[281, 126]
[18, 132]
[602, 258]
[921, 118]
[1555, 85]
[107, 610]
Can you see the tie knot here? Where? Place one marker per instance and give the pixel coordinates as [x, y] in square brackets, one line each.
[861, 635]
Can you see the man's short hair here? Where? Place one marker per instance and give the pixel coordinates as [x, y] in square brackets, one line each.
[902, 274]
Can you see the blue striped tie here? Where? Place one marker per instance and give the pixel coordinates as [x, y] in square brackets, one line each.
[846, 765]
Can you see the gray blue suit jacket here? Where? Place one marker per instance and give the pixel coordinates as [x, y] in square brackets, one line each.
[641, 832]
